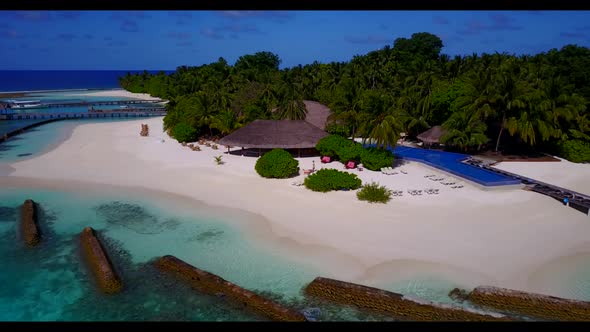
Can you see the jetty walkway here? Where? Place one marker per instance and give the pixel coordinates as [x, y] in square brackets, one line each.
[92, 114]
[576, 200]
[51, 117]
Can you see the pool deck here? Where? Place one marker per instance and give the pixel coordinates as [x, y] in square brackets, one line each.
[454, 165]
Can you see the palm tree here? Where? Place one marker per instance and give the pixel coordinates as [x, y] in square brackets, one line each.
[347, 108]
[291, 104]
[225, 122]
[509, 91]
[464, 130]
[385, 131]
[530, 123]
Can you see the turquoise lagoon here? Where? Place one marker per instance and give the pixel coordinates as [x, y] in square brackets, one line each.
[50, 283]
[38, 140]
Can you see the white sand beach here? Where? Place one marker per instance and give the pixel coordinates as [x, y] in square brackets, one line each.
[563, 173]
[116, 93]
[470, 235]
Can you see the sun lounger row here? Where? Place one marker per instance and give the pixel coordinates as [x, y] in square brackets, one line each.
[388, 171]
[419, 192]
[391, 171]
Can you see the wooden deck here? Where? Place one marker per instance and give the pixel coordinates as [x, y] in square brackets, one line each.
[139, 112]
[578, 201]
[48, 117]
[102, 103]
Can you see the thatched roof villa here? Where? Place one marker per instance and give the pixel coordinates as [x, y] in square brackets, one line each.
[283, 134]
[432, 135]
[271, 134]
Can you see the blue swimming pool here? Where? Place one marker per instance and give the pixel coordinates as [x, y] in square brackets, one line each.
[451, 163]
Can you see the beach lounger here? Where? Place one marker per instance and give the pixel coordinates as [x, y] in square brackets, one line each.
[457, 187]
[403, 172]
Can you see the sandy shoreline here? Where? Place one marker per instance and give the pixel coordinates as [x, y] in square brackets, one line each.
[500, 238]
[115, 93]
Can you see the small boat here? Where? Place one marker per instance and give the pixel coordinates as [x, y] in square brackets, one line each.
[24, 104]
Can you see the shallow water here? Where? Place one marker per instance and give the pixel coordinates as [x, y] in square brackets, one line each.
[39, 140]
[50, 282]
[567, 277]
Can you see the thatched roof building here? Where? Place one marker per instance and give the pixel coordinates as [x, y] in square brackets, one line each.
[432, 135]
[270, 134]
[317, 114]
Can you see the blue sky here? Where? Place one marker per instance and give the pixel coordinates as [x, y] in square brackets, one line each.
[132, 40]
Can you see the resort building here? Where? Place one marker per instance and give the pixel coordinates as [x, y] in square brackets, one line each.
[432, 136]
[297, 136]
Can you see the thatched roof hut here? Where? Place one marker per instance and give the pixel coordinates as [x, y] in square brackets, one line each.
[270, 134]
[317, 114]
[432, 135]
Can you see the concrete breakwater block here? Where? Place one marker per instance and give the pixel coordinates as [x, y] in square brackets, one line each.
[394, 304]
[531, 304]
[28, 220]
[99, 263]
[215, 285]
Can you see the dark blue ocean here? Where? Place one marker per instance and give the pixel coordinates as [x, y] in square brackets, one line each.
[30, 80]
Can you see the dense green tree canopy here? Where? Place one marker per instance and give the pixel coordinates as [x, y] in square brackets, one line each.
[488, 101]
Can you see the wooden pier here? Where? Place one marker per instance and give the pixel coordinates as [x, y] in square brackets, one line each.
[96, 114]
[577, 201]
[98, 103]
[128, 110]
[51, 117]
[102, 103]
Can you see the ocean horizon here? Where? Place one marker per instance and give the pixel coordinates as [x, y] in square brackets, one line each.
[56, 80]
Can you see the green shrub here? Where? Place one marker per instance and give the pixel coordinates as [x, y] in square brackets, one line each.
[374, 193]
[326, 180]
[183, 132]
[576, 151]
[375, 159]
[330, 145]
[277, 163]
[351, 152]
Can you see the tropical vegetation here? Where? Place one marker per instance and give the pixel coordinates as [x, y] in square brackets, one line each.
[329, 179]
[277, 163]
[374, 193]
[499, 102]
